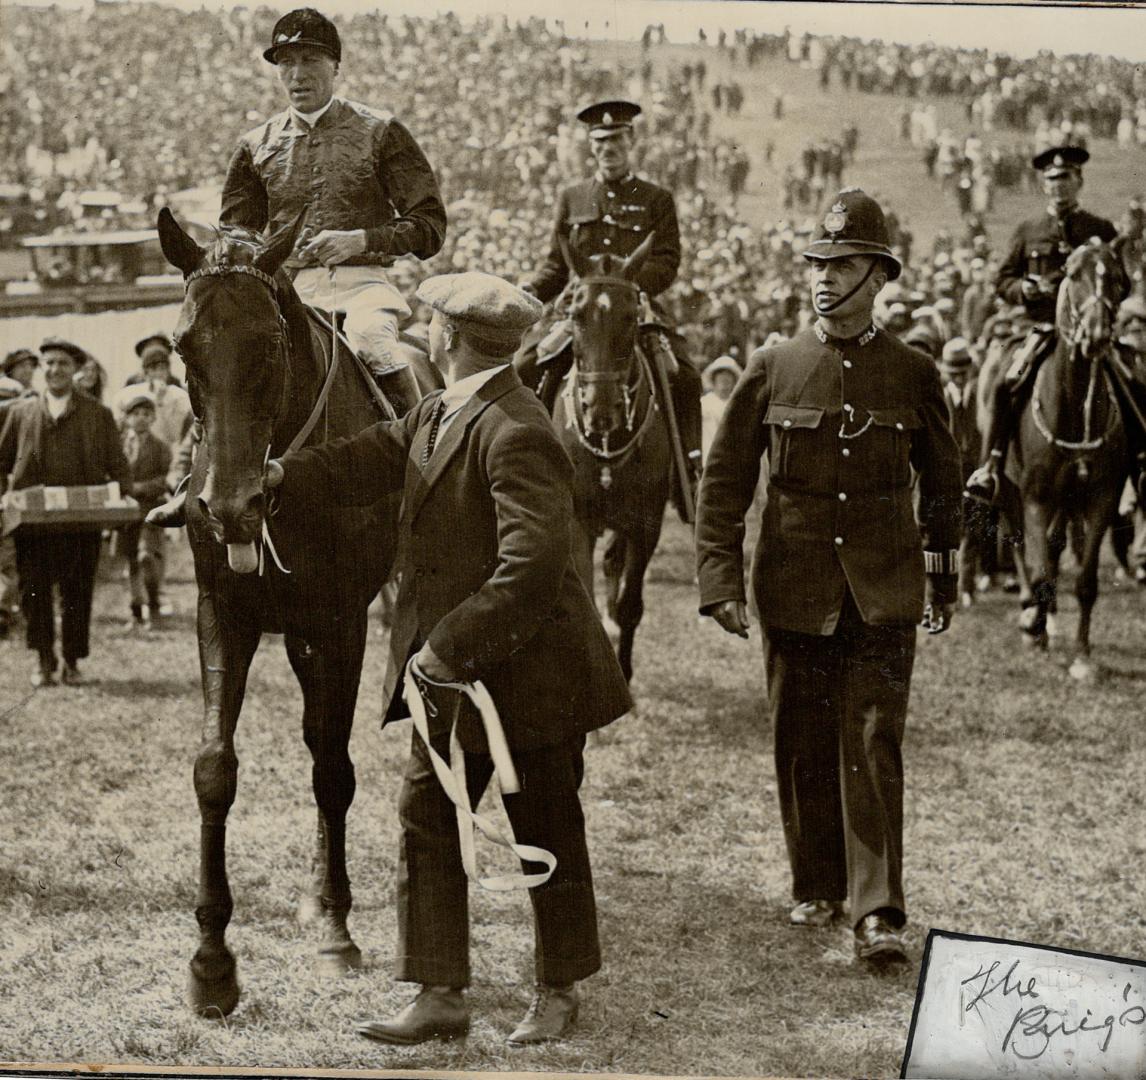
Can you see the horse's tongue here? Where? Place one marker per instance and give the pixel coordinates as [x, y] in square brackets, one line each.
[243, 558]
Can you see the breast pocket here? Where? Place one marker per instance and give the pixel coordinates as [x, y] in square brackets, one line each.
[885, 448]
[796, 435]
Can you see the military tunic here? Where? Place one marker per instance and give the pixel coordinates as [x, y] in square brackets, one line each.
[838, 579]
[1040, 248]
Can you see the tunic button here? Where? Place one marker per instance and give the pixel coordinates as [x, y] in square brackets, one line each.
[846, 452]
[847, 407]
[612, 195]
[607, 241]
[787, 423]
[839, 540]
[843, 496]
[847, 363]
[899, 425]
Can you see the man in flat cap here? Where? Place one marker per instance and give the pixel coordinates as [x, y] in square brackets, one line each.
[18, 368]
[21, 365]
[613, 213]
[843, 573]
[1030, 276]
[488, 592]
[369, 194]
[62, 439]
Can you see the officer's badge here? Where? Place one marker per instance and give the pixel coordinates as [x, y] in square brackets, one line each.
[607, 118]
[837, 219]
[1058, 160]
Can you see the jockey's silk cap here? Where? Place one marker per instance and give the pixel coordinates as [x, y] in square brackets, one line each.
[17, 357]
[605, 117]
[131, 397]
[304, 26]
[494, 311]
[854, 225]
[58, 344]
[1060, 160]
[956, 355]
[154, 343]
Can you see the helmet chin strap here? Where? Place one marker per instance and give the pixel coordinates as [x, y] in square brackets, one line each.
[827, 309]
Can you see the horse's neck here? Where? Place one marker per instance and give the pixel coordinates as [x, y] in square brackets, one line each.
[1066, 392]
[306, 369]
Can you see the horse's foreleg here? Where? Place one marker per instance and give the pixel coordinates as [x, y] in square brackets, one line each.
[225, 654]
[1036, 560]
[1098, 517]
[630, 601]
[329, 674]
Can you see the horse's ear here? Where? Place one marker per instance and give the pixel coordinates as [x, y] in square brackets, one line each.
[178, 248]
[278, 247]
[576, 264]
[632, 265]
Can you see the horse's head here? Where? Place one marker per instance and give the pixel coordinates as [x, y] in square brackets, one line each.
[605, 311]
[232, 336]
[1096, 281]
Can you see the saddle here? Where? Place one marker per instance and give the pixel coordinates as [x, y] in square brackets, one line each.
[1038, 344]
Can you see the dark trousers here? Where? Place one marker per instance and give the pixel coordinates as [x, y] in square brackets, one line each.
[67, 560]
[838, 705]
[433, 915]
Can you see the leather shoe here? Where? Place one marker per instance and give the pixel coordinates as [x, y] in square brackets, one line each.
[878, 942]
[438, 1012]
[71, 676]
[815, 913]
[43, 677]
[551, 1013]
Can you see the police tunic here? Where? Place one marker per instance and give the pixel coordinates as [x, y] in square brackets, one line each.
[1040, 248]
[597, 217]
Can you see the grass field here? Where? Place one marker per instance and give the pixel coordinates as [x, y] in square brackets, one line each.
[1023, 820]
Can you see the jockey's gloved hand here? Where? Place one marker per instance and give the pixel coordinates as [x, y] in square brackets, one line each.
[273, 473]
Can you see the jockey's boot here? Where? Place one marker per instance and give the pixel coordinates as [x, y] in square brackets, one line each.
[983, 483]
[172, 514]
[686, 391]
[397, 382]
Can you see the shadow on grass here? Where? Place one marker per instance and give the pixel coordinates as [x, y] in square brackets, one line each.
[159, 687]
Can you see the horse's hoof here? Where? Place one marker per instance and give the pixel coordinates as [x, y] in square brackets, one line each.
[1034, 641]
[309, 909]
[1083, 670]
[213, 994]
[334, 961]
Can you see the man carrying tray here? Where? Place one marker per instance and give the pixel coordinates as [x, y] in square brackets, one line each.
[65, 438]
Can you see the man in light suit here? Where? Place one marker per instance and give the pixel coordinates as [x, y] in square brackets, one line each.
[488, 592]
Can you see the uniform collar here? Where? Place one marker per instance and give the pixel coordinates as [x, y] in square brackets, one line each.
[859, 341]
[1061, 214]
[627, 178]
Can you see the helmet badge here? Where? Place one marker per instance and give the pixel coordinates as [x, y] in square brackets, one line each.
[836, 219]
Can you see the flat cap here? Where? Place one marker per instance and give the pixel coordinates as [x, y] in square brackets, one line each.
[131, 397]
[17, 357]
[488, 307]
[1060, 160]
[956, 354]
[60, 345]
[10, 388]
[157, 340]
[722, 363]
[605, 117]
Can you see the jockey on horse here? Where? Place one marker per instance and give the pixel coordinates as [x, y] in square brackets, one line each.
[368, 194]
[1030, 277]
[612, 214]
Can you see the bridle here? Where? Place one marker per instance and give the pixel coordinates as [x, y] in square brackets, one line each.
[610, 458]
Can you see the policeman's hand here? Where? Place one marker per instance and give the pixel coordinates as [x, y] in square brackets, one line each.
[732, 615]
[432, 667]
[937, 617]
[331, 247]
[273, 474]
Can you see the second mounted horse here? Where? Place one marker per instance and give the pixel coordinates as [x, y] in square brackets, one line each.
[1070, 459]
[265, 377]
[612, 424]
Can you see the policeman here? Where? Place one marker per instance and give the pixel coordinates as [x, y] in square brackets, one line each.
[613, 213]
[846, 413]
[1030, 275]
[369, 193]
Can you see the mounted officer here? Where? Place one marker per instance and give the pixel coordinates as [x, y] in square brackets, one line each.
[1030, 277]
[613, 213]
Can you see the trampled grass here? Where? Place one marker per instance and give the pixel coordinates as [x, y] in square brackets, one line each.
[1023, 820]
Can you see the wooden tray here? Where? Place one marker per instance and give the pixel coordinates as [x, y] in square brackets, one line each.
[93, 519]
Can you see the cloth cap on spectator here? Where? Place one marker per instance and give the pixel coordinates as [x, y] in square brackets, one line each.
[854, 225]
[1060, 160]
[17, 357]
[489, 308]
[945, 305]
[131, 397]
[58, 343]
[956, 355]
[10, 388]
[1133, 307]
[722, 363]
[304, 26]
[923, 337]
[605, 117]
[154, 343]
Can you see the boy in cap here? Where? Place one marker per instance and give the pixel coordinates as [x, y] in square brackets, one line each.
[21, 365]
[1030, 276]
[843, 573]
[143, 545]
[613, 214]
[489, 592]
[367, 190]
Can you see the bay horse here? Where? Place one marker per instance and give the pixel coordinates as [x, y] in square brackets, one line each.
[612, 426]
[263, 377]
[1070, 459]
